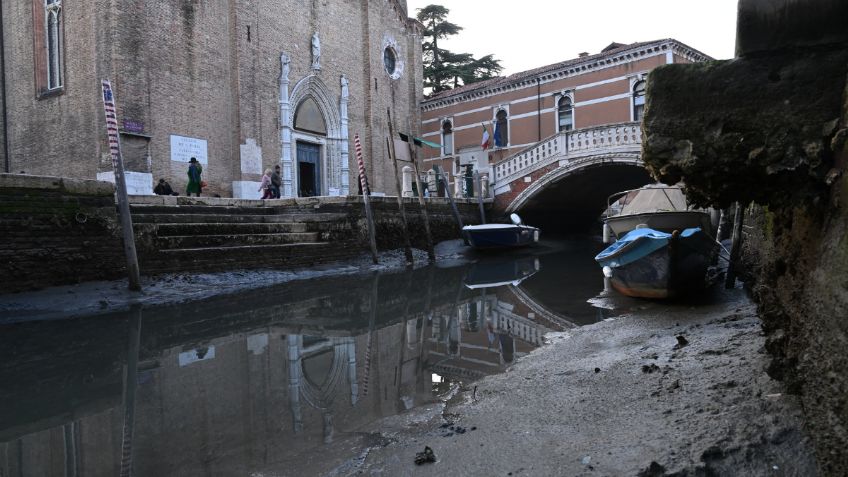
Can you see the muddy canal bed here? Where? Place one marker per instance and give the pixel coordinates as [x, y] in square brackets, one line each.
[354, 369]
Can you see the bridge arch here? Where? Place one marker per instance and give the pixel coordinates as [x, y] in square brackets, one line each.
[574, 194]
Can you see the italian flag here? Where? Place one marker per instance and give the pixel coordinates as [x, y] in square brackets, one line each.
[485, 142]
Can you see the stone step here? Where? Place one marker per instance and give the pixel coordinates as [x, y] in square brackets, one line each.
[232, 228]
[279, 256]
[167, 218]
[225, 209]
[218, 242]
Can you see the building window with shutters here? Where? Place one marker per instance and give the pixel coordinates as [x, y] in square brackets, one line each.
[565, 114]
[501, 128]
[447, 137]
[48, 42]
[638, 100]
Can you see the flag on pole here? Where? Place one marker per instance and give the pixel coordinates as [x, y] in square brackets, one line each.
[363, 179]
[485, 142]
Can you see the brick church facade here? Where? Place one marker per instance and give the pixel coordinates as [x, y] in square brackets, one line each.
[522, 109]
[243, 86]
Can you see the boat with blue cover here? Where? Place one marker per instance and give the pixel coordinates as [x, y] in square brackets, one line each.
[649, 263]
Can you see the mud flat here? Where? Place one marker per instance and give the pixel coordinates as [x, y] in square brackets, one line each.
[664, 389]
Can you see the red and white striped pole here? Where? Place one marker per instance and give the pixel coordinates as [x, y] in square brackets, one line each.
[363, 181]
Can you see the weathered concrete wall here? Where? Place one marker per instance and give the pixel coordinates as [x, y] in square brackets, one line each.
[56, 231]
[770, 128]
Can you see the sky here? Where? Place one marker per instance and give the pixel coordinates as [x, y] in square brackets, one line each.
[526, 34]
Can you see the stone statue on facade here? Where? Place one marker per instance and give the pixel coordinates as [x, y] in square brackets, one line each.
[316, 51]
[345, 92]
[285, 64]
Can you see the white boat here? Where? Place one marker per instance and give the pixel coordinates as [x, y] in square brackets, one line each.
[501, 236]
[659, 207]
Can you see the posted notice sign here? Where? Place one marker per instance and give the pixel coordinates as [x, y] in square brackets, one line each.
[184, 148]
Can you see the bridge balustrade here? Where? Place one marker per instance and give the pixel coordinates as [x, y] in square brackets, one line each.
[567, 145]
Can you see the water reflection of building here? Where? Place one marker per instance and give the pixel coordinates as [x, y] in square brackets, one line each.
[228, 389]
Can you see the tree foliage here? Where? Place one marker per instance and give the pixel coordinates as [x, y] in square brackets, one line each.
[443, 69]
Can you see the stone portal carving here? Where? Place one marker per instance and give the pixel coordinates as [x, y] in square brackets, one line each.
[316, 51]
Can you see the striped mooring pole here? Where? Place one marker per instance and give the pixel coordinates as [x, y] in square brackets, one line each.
[363, 181]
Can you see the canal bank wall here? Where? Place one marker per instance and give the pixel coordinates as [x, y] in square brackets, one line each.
[62, 231]
[776, 117]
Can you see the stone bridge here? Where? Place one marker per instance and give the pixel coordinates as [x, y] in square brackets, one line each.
[566, 178]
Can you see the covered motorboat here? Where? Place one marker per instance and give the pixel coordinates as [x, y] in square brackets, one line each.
[649, 263]
[656, 206]
[501, 236]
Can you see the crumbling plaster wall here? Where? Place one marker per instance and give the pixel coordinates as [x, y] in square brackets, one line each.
[769, 129]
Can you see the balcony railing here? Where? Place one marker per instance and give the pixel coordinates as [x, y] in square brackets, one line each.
[607, 139]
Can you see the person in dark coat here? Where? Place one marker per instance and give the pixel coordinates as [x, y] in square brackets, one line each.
[276, 183]
[194, 177]
[163, 188]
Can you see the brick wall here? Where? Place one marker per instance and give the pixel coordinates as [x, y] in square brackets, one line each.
[57, 231]
[192, 69]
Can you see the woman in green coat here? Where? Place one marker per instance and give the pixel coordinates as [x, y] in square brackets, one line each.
[194, 172]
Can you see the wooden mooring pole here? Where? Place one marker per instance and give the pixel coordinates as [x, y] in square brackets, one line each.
[478, 181]
[390, 144]
[109, 108]
[456, 215]
[431, 252]
[369, 217]
[735, 247]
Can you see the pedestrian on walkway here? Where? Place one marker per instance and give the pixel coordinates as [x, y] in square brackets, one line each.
[195, 170]
[265, 185]
[276, 182]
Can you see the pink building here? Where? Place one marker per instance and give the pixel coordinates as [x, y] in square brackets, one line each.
[566, 102]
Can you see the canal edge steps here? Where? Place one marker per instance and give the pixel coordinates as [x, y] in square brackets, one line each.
[207, 238]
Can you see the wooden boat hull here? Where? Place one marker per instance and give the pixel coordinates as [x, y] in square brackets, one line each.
[500, 236]
[659, 265]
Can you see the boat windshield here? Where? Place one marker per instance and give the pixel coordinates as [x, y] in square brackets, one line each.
[653, 198]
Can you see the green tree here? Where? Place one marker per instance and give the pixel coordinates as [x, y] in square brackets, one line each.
[444, 69]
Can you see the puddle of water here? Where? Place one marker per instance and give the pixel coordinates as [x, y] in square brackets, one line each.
[270, 381]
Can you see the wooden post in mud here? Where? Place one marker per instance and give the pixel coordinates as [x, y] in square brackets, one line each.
[390, 143]
[456, 215]
[735, 248]
[431, 253]
[369, 217]
[479, 185]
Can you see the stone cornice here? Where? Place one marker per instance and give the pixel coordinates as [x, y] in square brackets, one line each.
[567, 69]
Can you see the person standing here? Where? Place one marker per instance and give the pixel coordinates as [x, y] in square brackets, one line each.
[265, 185]
[276, 182]
[195, 170]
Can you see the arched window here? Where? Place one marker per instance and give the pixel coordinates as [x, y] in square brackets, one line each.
[565, 114]
[447, 138]
[308, 117]
[638, 100]
[53, 27]
[501, 129]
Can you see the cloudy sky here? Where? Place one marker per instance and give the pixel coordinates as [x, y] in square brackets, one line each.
[527, 34]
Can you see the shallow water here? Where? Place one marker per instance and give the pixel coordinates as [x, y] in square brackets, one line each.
[275, 381]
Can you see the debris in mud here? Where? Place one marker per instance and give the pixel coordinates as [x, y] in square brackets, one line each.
[648, 369]
[681, 342]
[653, 470]
[425, 457]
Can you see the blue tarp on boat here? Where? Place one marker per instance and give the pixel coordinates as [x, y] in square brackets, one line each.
[637, 244]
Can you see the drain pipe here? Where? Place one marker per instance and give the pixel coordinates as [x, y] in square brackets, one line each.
[7, 166]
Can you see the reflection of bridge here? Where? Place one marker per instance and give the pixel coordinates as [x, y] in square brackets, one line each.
[570, 174]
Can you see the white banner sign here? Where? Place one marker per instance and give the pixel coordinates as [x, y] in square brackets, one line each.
[184, 148]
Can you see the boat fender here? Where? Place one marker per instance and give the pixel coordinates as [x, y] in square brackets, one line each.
[607, 271]
[608, 234]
